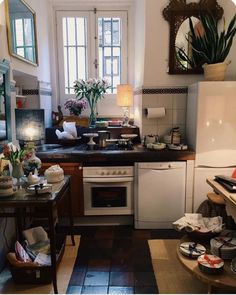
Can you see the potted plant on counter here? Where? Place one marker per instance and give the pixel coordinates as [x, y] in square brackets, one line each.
[210, 46]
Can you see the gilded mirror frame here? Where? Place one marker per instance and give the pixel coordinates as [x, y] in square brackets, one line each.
[5, 71]
[176, 13]
[10, 33]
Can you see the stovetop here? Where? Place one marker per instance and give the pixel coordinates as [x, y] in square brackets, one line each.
[110, 147]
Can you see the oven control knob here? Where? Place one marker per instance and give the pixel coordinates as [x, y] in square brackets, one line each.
[114, 172]
[108, 172]
[102, 173]
[124, 172]
[119, 172]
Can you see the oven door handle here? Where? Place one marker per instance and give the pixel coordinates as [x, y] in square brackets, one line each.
[108, 180]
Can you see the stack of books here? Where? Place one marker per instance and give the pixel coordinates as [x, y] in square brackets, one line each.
[227, 182]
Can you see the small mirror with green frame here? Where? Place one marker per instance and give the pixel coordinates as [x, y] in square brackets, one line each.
[21, 28]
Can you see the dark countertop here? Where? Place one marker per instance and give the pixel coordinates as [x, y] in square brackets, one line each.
[54, 153]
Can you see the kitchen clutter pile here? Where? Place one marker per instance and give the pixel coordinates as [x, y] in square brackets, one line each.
[172, 140]
[222, 242]
[34, 251]
[31, 261]
[195, 222]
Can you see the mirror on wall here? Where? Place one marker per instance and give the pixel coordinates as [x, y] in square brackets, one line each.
[5, 102]
[177, 13]
[21, 28]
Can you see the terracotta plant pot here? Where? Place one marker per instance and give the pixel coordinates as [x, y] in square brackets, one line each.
[215, 72]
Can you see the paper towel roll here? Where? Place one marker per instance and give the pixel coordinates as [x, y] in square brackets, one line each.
[154, 113]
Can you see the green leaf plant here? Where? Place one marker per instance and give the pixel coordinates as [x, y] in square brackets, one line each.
[211, 46]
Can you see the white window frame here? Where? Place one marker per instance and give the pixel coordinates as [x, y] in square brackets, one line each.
[108, 104]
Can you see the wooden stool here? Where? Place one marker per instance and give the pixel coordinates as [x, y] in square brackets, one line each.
[216, 199]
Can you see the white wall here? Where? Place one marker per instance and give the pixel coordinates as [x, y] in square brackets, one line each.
[157, 47]
[42, 72]
[139, 41]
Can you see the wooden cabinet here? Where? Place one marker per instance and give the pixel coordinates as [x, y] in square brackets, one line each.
[75, 170]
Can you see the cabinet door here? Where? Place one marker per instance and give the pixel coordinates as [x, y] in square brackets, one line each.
[76, 172]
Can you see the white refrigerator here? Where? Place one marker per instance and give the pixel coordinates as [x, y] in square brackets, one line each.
[211, 132]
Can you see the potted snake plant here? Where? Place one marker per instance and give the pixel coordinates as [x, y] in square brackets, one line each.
[210, 47]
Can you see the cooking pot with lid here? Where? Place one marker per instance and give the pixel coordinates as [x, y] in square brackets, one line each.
[103, 136]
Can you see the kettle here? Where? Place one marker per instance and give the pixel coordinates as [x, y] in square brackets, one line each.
[150, 139]
[103, 136]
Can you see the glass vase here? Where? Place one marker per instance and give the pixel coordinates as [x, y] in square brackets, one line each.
[17, 172]
[92, 117]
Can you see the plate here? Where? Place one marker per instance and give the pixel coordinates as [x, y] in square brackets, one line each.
[45, 188]
[129, 136]
[191, 249]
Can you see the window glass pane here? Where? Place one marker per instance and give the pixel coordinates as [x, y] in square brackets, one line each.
[116, 31]
[101, 66]
[72, 65]
[75, 50]
[20, 51]
[66, 67]
[64, 29]
[19, 32]
[109, 34]
[80, 31]
[29, 53]
[28, 32]
[71, 30]
[107, 28]
[81, 63]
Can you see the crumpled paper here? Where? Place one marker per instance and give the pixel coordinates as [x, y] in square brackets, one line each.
[195, 222]
[69, 132]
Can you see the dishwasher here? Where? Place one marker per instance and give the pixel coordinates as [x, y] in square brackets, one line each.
[159, 194]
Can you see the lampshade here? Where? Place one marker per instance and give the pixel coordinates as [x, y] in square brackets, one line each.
[124, 95]
[29, 125]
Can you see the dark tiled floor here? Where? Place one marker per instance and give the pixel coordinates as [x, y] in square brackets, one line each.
[115, 260]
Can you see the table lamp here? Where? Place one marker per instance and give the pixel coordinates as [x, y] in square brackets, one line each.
[29, 126]
[30, 132]
[125, 100]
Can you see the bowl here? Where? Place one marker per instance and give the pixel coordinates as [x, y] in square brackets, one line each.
[69, 142]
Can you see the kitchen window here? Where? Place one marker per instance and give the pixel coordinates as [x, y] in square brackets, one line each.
[91, 44]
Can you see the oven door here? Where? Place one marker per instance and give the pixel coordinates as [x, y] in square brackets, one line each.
[108, 196]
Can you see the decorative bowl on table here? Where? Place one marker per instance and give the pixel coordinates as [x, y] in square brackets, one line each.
[69, 142]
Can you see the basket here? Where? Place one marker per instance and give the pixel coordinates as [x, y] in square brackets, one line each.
[197, 236]
[28, 272]
[215, 72]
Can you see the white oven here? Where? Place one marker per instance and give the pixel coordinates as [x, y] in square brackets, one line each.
[108, 190]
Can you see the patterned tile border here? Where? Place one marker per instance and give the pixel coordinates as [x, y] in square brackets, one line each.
[30, 92]
[36, 92]
[170, 90]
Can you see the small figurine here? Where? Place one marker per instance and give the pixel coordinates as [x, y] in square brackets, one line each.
[33, 178]
[57, 117]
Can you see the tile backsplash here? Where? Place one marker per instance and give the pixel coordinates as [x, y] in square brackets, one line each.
[173, 99]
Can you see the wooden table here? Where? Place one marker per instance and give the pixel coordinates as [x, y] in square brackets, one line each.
[227, 279]
[230, 198]
[23, 205]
